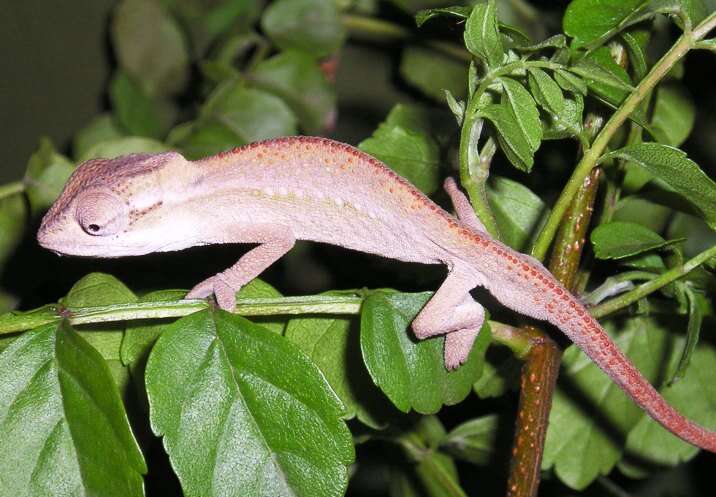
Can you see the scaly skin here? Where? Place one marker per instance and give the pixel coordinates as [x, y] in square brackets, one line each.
[277, 191]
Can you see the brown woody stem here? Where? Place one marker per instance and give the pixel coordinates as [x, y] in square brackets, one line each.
[541, 367]
[571, 236]
[537, 382]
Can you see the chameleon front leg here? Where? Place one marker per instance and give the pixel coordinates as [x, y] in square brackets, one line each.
[452, 311]
[463, 208]
[274, 243]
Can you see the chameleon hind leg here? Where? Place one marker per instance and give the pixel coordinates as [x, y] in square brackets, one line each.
[453, 312]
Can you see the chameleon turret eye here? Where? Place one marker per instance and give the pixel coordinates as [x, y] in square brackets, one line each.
[100, 213]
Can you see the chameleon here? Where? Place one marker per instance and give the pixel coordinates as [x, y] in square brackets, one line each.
[274, 192]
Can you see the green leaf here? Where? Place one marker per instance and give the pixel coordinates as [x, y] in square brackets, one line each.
[458, 11]
[556, 41]
[567, 123]
[636, 42]
[499, 376]
[457, 107]
[313, 26]
[673, 116]
[232, 116]
[607, 79]
[590, 20]
[248, 113]
[583, 441]
[618, 239]
[474, 440]
[197, 139]
[646, 261]
[637, 209]
[699, 236]
[13, 219]
[696, 303]
[205, 20]
[676, 172]
[691, 11]
[410, 372]
[136, 111]
[509, 135]
[570, 82]
[403, 143]
[433, 73]
[518, 211]
[63, 427]
[514, 38]
[46, 175]
[150, 46]
[482, 38]
[546, 92]
[243, 411]
[232, 48]
[434, 474]
[694, 397]
[334, 346]
[104, 127]
[138, 339]
[110, 149]
[695, 10]
[298, 80]
[140, 335]
[98, 289]
[259, 289]
[524, 110]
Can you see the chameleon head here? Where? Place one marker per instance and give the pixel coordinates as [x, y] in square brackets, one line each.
[113, 207]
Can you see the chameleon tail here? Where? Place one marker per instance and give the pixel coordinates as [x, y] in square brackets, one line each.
[588, 335]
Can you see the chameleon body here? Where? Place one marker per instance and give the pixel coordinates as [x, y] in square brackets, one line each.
[274, 192]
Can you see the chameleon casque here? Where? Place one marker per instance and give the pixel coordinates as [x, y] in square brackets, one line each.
[274, 192]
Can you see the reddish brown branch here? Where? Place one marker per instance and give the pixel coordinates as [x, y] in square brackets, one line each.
[537, 381]
[541, 367]
[571, 237]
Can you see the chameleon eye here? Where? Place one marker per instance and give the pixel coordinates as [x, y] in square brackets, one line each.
[100, 213]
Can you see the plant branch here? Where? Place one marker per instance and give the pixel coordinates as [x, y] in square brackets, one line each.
[537, 382]
[416, 448]
[589, 160]
[474, 169]
[541, 368]
[511, 337]
[571, 236]
[12, 322]
[651, 286]
[372, 29]
[13, 188]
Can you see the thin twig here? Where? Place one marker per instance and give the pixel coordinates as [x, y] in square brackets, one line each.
[13, 188]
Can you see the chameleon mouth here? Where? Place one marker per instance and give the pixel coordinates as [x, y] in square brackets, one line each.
[87, 250]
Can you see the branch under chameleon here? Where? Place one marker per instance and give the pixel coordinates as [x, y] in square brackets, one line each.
[274, 192]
